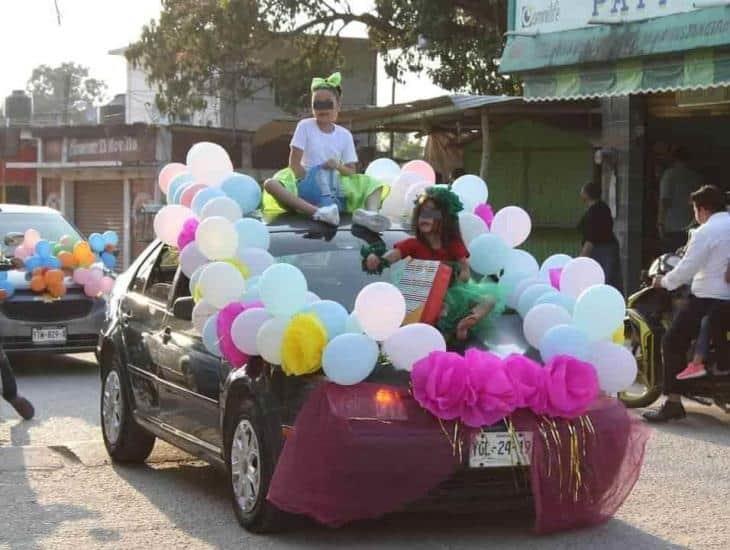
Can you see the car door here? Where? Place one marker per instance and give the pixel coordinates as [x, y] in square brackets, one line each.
[190, 377]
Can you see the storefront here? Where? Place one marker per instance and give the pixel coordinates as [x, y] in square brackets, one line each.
[661, 70]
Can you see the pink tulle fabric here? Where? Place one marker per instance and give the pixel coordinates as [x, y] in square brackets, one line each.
[440, 384]
[528, 381]
[187, 234]
[571, 386]
[225, 320]
[485, 212]
[555, 277]
[490, 395]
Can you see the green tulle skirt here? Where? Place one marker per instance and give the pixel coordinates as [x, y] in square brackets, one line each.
[462, 298]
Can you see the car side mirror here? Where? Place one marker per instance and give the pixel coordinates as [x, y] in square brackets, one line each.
[183, 308]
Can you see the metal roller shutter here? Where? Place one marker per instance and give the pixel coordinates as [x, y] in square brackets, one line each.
[99, 207]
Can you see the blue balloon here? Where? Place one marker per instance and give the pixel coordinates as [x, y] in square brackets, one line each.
[333, 316]
[3, 275]
[109, 260]
[96, 242]
[529, 297]
[33, 262]
[7, 287]
[488, 254]
[179, 192]
[244, 190]
[350, 358]
[202, 198]
[252, 289]
[565, 340]
[177, 182]
[252, 234]
[43, 248]
[51, 263]
[210, 336]
[558, 299]
[111, 238]
[352, 325]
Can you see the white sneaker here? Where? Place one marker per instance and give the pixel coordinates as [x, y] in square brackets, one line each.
[372, 220]
[328, 214]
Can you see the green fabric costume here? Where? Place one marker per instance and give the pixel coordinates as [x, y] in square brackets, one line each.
[462, 298]
[357, 188]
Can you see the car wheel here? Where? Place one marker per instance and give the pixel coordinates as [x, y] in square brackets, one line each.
[252, 453]
[124, 439]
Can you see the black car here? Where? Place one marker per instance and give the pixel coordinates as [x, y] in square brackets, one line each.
[159, 381]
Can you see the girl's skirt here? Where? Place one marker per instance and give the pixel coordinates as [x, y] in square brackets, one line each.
[462, 298]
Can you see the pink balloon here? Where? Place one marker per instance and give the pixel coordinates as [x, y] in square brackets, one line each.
[92, 289]
[95, 274]
[107, 284]
[168, 172]
[169, 222]
[22, 252]
[422, 168]
[186, 199]
[81, 276]
[555, 277]
[485, 212]
[31, 239]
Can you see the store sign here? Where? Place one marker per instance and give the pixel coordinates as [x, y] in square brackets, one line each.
[545, 16]
[124, 148]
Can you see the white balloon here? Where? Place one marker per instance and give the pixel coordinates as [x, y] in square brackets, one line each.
[521, 261]
[252, 234]
[270, 338]
[513, 298]
[352, 325]
[556, 261]
[530, 296]
[245, 329]
[191, 258]
[312, 298]
[599, 311]
[217, 238]
[395, 204]
[221, 284]
[209, 163]
[195, 278]
[472, 190]
[169, 222]
[513, 224]
[580, 274]
[256, 259]
[201, 313]
[380, 308]
[542, 318]
[222, 206]
[412, 194]
[410, 343]
[616, 366]
[283, 289]
[471, 226]
[384, 170]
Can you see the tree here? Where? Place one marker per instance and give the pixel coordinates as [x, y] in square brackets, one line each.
[62, 94]
[205, 48]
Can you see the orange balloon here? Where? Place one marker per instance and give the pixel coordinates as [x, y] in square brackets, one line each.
[37, 283]
[67, 260]
[54, 276]
[3, 295]
[57, 289]
[38, 272]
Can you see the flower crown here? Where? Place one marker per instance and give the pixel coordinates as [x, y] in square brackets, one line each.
[444, 198]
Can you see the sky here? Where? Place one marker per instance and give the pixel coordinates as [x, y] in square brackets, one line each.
[31, 36]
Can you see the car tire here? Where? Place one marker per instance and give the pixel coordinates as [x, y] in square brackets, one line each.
[125, 440]
[253, 448]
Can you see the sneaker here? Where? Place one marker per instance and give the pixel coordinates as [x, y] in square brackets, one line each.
[23, 407]
[372, 220]
[671, 410]
[328, 214]
[693, 370]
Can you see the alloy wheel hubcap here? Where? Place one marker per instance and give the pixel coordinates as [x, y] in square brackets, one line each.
[245, 466]
[112, 408]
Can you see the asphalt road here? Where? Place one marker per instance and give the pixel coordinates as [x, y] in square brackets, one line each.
[58, 489]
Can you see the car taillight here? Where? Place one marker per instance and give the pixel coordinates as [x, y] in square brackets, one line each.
[388, 405]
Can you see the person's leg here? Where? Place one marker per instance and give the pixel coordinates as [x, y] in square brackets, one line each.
[696, 368]
[287, 199]
[10, 389]
[719, 321]
[370, 216]
[479, 312]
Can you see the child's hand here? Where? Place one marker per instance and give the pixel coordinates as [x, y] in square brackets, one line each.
[464, 274]
[372, 262]
[332, 164]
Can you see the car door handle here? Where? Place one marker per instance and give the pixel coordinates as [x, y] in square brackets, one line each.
[166, 335]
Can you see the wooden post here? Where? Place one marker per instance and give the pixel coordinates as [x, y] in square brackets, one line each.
[484, 167]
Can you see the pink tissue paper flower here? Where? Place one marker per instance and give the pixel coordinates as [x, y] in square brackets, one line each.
[187, 234]
[225, 320]
[440, 384]
[528, 380]
[571, 386]
[555, 274]
[490, 394]
[485, 212]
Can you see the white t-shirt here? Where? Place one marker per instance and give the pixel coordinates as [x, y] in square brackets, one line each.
[319, 147]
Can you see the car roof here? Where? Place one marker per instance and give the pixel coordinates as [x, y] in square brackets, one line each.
[26, 209]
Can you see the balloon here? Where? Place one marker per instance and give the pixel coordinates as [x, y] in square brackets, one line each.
[332, 315]
[513, 224]
[210, 336]
[384, 170]
[51, 263]
[245, 328]
[521, 261]
[201, 313]
[81, 276]
[616, 366]
[412, 193]
[191, 258]
[221, 283]
[244, 190]
[7, 289]
[53, 276]
[542, 318]
[21, 252]
[411, 343]
[283, 290]
[43, 248]
[270, 337]
[107, 285]
[564, 340]
[67, 242]
[177, 184]
[350, 358]
[580, 274]
[204, 196]
[352, 325]
[187, 196]
[256, 259]
[488, 254]
[530, 296]
[556, 261]
[33, 263]
[471, 226]
[31, 238]
[110, 238]
[558, 299]
[485, 212]
[56, 289]
[217, 238]
[209, 163]
[599, 310]
[66, 258]
[394, 204]
[252, 234]
[223, 207]
[93, 288]
[422, 168]
[37, 283]
[195, 278]
[168, 173]
[380, 308]
[472, 190]
[109, 260]
[252, 293]
[312, 298]
[95, 274]
[96, 242]
[169, 221]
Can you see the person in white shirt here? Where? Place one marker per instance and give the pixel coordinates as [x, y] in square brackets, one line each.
[675, 214]
[321, 179]
[704, 265]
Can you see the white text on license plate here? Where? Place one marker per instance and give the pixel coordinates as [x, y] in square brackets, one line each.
[500, 449]
[54, 335]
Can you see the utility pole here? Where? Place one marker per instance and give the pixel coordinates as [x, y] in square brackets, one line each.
[392, 134]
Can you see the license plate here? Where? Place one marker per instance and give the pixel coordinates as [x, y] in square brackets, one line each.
[500, 449]
[54, 335]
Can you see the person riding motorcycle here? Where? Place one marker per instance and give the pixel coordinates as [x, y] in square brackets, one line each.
[704, 265]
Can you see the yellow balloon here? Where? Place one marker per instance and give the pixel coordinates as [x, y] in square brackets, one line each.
[304, 341]
[241, 267]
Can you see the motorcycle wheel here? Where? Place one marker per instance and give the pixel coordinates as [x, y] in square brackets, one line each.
[645, 390]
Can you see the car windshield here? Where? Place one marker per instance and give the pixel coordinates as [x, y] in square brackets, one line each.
[51, 226]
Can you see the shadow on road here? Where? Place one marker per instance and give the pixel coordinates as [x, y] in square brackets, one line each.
[709, 425]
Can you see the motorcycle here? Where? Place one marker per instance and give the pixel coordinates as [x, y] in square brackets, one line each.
[649, 314]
